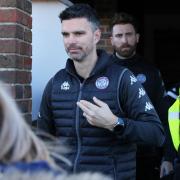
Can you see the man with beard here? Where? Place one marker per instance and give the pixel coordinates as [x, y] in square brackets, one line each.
[124, 39]
[95, 106]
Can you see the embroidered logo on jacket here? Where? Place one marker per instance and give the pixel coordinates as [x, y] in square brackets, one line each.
[65, 86]
[141, 92]
[133, 79]
[148, 106]
[141, 78]
[102, 83]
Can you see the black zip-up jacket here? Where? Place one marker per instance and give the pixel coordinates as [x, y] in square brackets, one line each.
[93, 148]
[151, 79]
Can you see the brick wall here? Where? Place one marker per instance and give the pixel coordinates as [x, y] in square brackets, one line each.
[105, 9]
[105, 42]
[16, 50]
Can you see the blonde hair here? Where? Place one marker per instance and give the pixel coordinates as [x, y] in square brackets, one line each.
[19, 143]
[17, 175]
[17, 140]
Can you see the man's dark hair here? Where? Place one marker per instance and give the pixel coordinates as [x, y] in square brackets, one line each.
[124, 18]
[80, 10]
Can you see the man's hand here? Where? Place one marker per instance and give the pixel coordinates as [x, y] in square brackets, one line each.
[98, 114]
[166, 168]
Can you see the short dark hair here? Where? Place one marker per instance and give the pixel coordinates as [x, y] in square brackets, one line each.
[81, 10]
[124, 18]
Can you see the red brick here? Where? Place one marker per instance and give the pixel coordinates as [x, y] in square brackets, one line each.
[17, 91]
[101, 42]
[14, 15]
[9, 46]
[15, 46]
[24, 105]
[28, 35]
[11, 61]
[11, 31]
[7, 3]
[108, 42]
[19, 16]
[23, 77]
[8, 76]
[103, 29]
[21, 91]
[24, 19]
[8, 15]
[106, 35]
[12, 3]
[27, 91]
[27, 63]
[28, 6]
[25, 49]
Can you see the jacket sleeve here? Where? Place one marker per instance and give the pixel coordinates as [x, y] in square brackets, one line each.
[45, 120]
[143, 125]
[159, 94]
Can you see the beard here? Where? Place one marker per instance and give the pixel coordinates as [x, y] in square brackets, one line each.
[125, 50]
[76, 53]
[78, 57]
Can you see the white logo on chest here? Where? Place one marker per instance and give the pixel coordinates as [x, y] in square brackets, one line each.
[65, 86]
[102, 83]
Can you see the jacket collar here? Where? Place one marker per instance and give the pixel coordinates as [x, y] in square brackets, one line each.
[129, 61]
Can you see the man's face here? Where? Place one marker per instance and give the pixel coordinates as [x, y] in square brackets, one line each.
[124, 39]
[79, 38]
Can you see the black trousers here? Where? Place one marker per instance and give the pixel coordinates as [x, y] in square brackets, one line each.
[177, 172]
[147, 168]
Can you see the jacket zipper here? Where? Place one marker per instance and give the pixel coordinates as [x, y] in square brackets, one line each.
[77, 125]
[77, 132]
